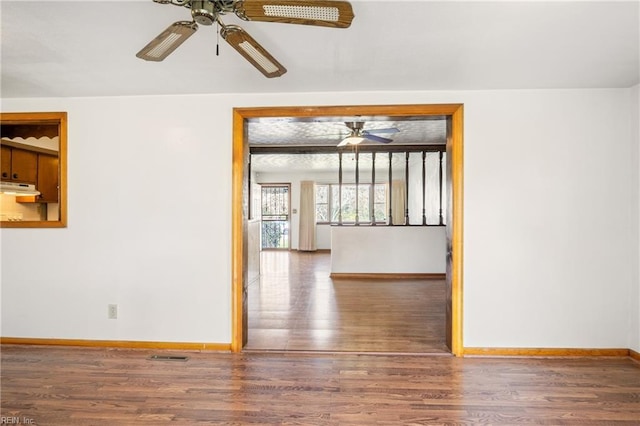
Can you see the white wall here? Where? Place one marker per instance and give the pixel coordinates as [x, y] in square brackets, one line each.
[547, 218]
[388, 249]
[634, 332]
[253, 249]
[548, 207]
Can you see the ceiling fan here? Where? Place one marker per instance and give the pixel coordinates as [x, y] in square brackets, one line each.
[324, 13]
[359, 134]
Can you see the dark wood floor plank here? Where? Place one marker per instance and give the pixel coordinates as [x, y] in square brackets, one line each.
[296, 306]
[98, 386]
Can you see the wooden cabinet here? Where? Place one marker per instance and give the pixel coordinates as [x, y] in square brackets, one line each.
[47, 179]
[19, 165]
[5, 158]
[34, 166]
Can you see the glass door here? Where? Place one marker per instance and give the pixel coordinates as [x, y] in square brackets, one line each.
[275, 200]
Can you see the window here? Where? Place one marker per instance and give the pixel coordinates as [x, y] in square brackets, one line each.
[347, 206]
[34, 164]
[380, 202]
[322, 203]
[414, 192]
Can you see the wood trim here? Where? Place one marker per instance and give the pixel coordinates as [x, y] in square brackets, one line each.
[396, 110]
[468, 352]
[31, 118]
[455, 111]
[457, 182]
[237, 231]
[546, 352]
[127, 344]
[387, 276]
[62, 149]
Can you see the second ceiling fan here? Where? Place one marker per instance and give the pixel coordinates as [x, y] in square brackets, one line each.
[324, 13]
[358, 134]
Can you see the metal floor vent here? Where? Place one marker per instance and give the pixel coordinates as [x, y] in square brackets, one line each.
[168, 358]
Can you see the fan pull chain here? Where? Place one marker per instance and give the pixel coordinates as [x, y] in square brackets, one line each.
[217, 38]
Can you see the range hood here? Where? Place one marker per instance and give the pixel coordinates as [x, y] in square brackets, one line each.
[14, 188]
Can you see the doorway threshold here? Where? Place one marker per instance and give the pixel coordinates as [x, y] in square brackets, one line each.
[330, 352]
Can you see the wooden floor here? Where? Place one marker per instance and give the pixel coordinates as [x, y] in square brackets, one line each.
[296, 306]
[95, 386]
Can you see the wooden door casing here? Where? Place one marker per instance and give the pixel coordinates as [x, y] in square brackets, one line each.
[240, 191]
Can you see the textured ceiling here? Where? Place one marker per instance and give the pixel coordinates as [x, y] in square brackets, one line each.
[322, 132]
[269, 133]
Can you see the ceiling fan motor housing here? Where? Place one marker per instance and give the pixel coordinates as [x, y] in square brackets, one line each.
[204, 12]
[356, 127]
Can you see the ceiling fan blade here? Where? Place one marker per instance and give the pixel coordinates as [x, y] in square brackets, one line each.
[168, 41]
[324, 13]
[240, 40]
[387, 130]
[375, 138]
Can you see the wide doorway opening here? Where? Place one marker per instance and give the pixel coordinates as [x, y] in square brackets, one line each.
[357, 301]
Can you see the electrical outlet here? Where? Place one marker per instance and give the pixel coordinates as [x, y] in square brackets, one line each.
[113, 311]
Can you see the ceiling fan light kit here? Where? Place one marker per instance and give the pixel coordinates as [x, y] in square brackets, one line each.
[351, 140]
[323, 13]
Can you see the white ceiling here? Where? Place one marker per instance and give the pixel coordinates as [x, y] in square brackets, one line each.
[83, 48]
[87, 48]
